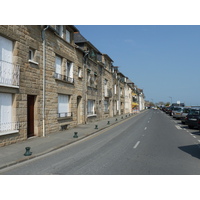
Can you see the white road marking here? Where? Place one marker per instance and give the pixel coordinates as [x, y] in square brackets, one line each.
[194, 136]
[198, 140]
[136, 145]
[148, 121]
[178, 127]
[145, 128]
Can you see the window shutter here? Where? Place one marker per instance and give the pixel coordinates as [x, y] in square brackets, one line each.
[63, 103]
[5, 111]
[6, 47]
[58, 64]
[71, 70]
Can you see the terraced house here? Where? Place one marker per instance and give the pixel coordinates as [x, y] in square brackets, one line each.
[51, 79]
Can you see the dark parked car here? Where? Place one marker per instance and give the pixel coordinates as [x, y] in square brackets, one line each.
[193, 118]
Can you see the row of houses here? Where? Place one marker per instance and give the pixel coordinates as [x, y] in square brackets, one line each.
[52, 79]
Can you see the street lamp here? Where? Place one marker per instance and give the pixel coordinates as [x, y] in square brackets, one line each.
[171, 100]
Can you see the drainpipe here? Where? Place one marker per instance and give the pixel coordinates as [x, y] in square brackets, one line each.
[44, 76]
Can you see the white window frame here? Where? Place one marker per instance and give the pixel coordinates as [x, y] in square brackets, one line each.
[64, 105]
[31, 56]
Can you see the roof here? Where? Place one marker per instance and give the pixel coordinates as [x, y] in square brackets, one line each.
[108, 57]
[78, 38]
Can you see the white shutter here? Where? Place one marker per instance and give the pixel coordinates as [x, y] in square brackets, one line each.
[5, 111]
[71, 70]
[58, 64]
[6, 48]
[63, 104]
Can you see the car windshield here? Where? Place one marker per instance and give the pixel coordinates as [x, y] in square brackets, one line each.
[186, 110]
[177, 109]
[194, 112]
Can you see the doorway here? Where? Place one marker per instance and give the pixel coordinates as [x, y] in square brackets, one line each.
[30, 115]
[79, 120]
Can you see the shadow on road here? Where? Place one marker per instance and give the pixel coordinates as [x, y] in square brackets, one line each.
[193, 150]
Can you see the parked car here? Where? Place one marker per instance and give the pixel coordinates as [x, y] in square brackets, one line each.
[171, 109]
[176, 112]
[193, 118]
[184, 114]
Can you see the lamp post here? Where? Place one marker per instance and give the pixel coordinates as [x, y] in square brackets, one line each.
[171, 100]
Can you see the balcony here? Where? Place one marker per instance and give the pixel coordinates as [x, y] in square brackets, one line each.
[63, 78]
[9, 128]
[65, 114]
[9, 74]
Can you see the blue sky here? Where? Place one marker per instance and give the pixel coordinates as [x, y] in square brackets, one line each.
[163, 60]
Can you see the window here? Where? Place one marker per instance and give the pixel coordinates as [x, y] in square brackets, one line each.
[59, 29]
[5, 111]
[90, 107]
[69, 71]
[58, 64]
[88, 78]
[68, 38]
[106, 106]
[115, 89]
[79, 72]
[106, 87]
[31, 54]
[63, 106]
[6, 66]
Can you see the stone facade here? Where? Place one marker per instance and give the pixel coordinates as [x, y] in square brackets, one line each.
[51, 79]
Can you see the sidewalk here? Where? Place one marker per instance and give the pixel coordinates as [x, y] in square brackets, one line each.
[14, 153]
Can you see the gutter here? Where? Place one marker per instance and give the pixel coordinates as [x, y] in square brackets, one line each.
[44, 81]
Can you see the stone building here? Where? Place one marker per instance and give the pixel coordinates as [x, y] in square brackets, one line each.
[40, 81]
[52, 79]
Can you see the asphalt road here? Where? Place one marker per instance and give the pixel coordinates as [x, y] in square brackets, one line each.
[151, 143]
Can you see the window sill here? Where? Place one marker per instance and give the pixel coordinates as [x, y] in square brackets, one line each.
[8, 132]
[33, 62]
[63, 118]
[10, 86]
[94, 115]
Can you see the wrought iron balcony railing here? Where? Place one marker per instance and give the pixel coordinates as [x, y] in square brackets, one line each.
[9, 126]
[63, 78]
[9, 74]
[65, 114]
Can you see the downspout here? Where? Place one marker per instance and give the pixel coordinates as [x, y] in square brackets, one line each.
[44, 76]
